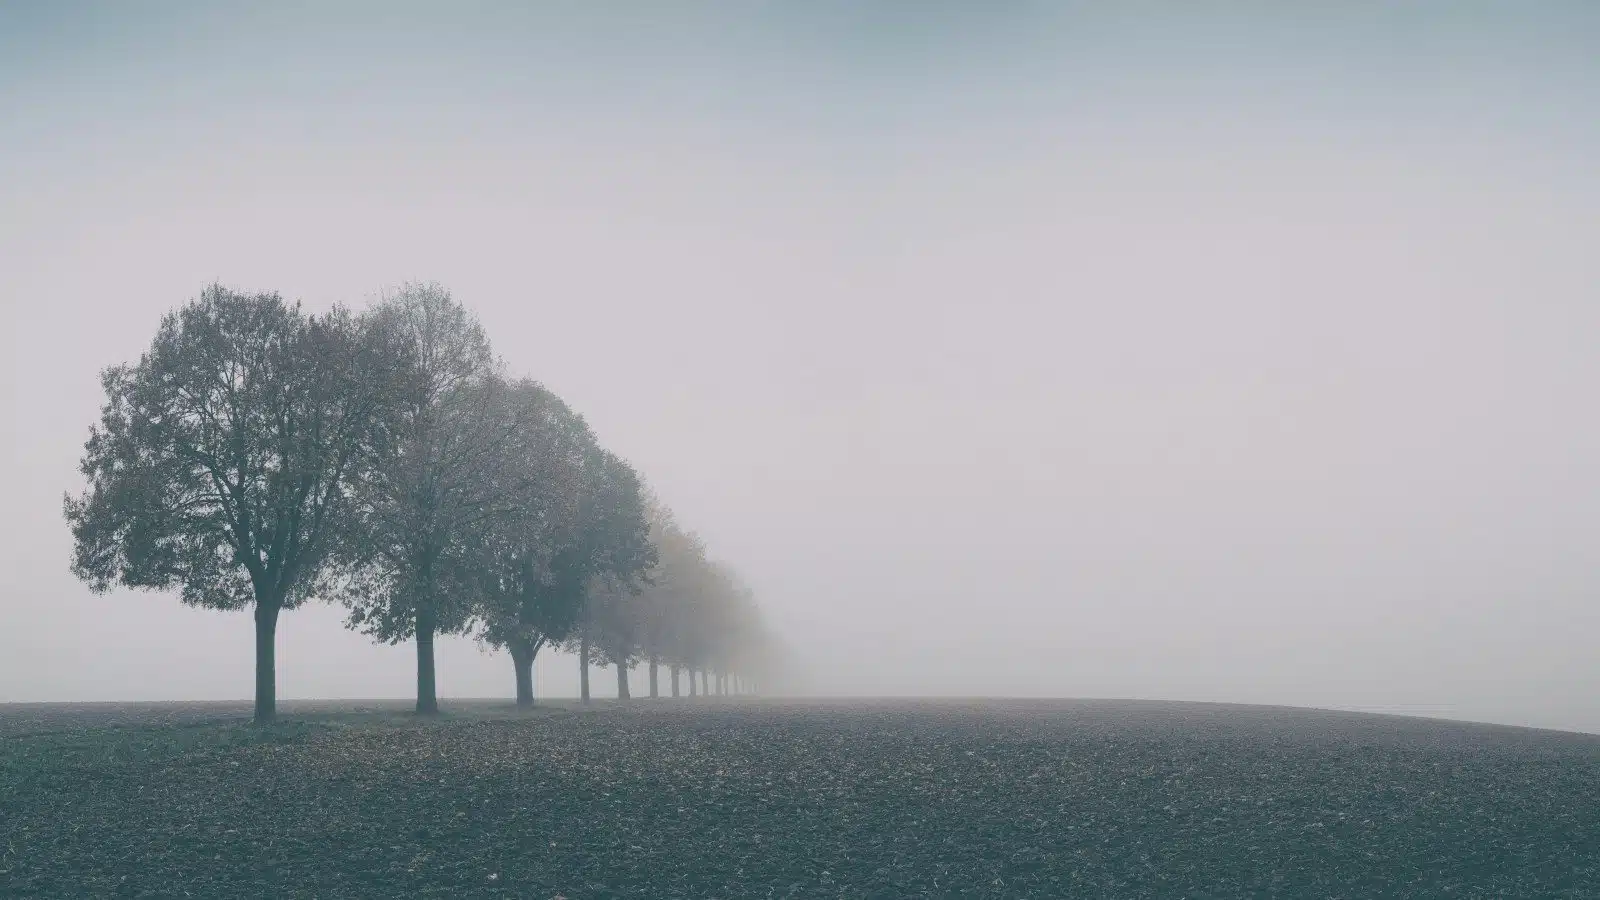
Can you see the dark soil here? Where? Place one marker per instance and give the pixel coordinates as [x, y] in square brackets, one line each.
[747, 799]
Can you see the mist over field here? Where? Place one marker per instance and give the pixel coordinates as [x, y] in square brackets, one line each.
[1020, 350]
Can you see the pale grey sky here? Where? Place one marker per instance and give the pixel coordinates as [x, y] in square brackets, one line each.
[1242, 353]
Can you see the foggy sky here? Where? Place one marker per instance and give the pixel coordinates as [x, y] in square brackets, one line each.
[1243, 354]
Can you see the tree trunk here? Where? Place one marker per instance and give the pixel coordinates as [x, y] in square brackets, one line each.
[427, 688]
[655, 692]
[583, 668]
[266, 661]
[674, 681]
[705, 682]
[522, 661]
[691, 684]
[622, 681]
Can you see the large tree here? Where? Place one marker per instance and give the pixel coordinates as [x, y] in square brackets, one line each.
[534, 563]
[428, 517]
[223, 459]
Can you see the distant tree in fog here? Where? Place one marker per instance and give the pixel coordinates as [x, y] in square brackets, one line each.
[611, 626]
[666, 594]
[613, 554]
[533, 567]
[697, 614]
[428, 516]
[224, 459]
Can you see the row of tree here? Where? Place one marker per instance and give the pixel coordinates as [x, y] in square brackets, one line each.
[258, 456]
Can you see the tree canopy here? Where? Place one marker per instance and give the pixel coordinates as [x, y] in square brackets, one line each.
[224, 460]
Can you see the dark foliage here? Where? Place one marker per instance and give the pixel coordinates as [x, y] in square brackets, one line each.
[223, 459]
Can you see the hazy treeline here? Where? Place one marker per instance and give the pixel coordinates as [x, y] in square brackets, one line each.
[258, 456]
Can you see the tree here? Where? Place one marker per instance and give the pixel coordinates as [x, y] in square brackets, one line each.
[223, 459]
[534, 564]
[665, 600]
[738, 644]
[613, 554]
[427, 517]
[695, 621]
[611, 625]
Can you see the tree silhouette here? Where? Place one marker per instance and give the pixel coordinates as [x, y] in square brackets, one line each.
[223, 460]
[427, 517]
[614, 553]
[534, 564]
